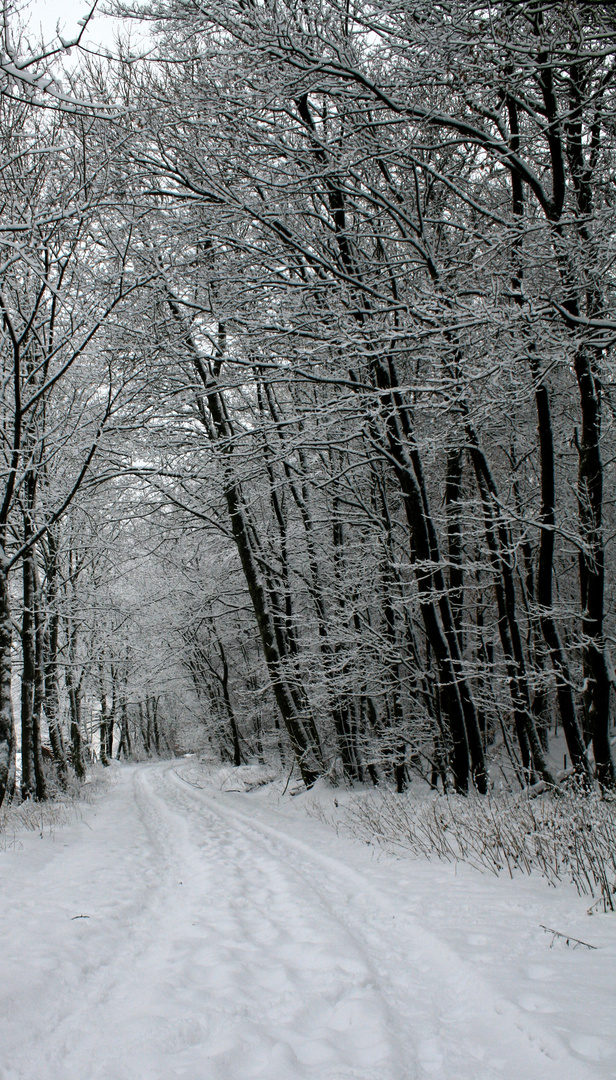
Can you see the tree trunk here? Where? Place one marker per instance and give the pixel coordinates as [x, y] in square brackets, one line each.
[340, 704]
[499, 547]
[125, 742]
[144, 727]
[590, 467]
[545, 571]
[456, 697]
[7, 722]
[76, 734]
[51, 646]
[74, 691]
[291, 699]
[39, 685]
[103, 729]
[235, 735]
[592, 571]
[28, 774]
[453, 496]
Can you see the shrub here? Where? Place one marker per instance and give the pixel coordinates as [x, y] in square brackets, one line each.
[565, 836]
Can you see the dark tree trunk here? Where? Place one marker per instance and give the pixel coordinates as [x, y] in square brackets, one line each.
[590, 466]
[76, 734]
[112, 711]
[151, 704]
[289, 693]
[453, 496]
[456, 697]
[144, 726]
[51, 647]
[39, 686]
[33, 783]
[291, 701]
[449, 679]
[592, 571]
[340, 702]
[7, 723]
[125, 740]
[499, 547]
[74, 691]
[235, 735]
[28, 774]
[104, 726]
[545, 571]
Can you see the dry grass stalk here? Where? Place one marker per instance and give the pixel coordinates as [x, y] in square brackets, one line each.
[569, 837]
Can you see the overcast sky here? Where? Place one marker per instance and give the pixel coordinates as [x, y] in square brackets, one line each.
[48, 14]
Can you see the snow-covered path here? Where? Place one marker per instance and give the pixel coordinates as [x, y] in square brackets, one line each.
[183, 932]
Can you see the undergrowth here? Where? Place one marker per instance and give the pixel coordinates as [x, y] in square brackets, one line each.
[45, 817]
[31, 816]
[569, 837]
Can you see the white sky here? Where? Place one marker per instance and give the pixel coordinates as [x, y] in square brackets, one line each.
[48, 15]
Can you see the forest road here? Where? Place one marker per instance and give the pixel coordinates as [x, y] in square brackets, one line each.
[180, 931]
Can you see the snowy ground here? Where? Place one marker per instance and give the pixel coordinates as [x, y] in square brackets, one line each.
[181, 929]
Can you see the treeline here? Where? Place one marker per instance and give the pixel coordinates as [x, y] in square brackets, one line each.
[356, 273]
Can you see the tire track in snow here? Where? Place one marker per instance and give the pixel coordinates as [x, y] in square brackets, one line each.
[457, 1027]
[290, 985]
[70, 999]
[202, 958]
[222, 948]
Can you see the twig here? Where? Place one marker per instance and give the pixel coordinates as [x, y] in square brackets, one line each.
[289, 778]
[566, 937]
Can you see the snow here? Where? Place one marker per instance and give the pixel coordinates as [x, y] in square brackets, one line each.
[186, 926]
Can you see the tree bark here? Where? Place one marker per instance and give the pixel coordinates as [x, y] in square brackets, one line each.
[453, 496]
[28, 775]
[7, 721]
[545, 573]
[104, 726]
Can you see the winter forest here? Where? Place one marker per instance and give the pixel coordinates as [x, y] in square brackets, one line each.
[307, 537]
[307, 372]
